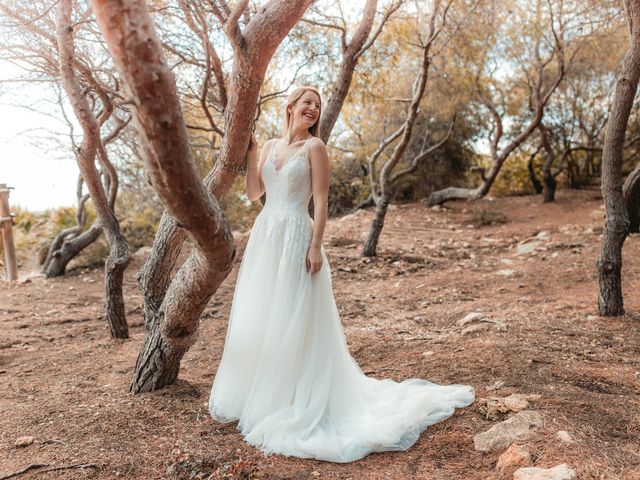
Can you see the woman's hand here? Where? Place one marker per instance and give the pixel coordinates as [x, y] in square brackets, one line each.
[314, 259]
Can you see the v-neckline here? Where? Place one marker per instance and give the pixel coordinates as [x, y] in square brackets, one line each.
[276, 156]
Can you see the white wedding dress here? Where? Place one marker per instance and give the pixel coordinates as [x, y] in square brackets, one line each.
[286, 372]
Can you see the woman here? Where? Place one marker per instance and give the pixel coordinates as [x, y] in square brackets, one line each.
[286, 372]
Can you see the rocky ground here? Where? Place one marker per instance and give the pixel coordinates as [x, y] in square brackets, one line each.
[500, 294]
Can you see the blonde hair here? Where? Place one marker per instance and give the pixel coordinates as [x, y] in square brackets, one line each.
[293, 98]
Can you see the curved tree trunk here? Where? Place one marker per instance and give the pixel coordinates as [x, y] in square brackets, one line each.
[63, 250]
[172, 314]
[548, 180]
[90, 149]
[610, 300]
[549, 187]
[371, 245]
[631, 194]
[537, 186]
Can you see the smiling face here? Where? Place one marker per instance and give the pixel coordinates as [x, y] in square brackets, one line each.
[306, 110]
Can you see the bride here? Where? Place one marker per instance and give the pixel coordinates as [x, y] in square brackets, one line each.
[286, 372]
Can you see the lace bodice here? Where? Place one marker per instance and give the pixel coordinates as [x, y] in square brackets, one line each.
[288, 185]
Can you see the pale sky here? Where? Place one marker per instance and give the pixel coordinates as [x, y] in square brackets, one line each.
[40, 178]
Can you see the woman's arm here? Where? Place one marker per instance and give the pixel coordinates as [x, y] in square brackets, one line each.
[319, 159]
[253, 182]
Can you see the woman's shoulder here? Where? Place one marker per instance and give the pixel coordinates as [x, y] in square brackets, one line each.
[317, 143]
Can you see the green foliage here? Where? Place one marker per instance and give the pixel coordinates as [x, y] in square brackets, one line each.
[513, 178]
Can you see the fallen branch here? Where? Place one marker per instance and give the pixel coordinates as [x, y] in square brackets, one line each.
[24, 470]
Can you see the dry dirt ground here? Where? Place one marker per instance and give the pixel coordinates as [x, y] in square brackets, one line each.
[64, 381]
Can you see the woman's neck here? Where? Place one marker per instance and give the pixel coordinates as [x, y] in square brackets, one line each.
[297, 135]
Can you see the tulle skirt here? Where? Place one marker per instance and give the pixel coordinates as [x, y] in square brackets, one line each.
[286, 372]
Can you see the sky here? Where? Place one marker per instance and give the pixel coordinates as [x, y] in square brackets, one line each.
[40, 178]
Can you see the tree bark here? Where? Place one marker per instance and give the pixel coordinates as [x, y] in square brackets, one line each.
[537, 186]
[548, 180]
[631, 193]
[549, 187]
[119, 255]
[351, 53]
[609, 264]
[62, 250]
[172, 313]
[371, 245]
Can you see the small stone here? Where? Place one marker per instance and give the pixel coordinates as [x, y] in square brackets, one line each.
[477, 327]
[505, 273]
[514, 457]
[24, 441]
[470, 317]
[528, 247]
[559, 472]
[496, 385]
[428, 354]
[564, 436]
[495, 407]
[522, 426]
[142, 253]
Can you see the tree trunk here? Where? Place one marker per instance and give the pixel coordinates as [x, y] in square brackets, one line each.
[350, 56]
[549, 190]
[631, 193]
[173, 307]
[537, 186]
[371, 245]
[62, 250]
[119, 255]
[610, 300]
[548, 180]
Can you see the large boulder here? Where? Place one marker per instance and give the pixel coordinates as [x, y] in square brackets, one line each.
[522, 426]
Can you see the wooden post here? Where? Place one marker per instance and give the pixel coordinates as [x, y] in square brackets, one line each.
[6, 227]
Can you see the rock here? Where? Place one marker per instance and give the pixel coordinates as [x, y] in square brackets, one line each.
[477, 322]
[496, 385]
[522, 426]
[528, 246]
[505, 273]
[476, 327]
[353, 216]
[559, 472]
[495, 407]
[597, 214]
[24, 441]
[515, 456]
[142, 253]
[564, 436]
[470, 317]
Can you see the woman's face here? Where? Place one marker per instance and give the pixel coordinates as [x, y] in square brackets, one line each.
[306, 110]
